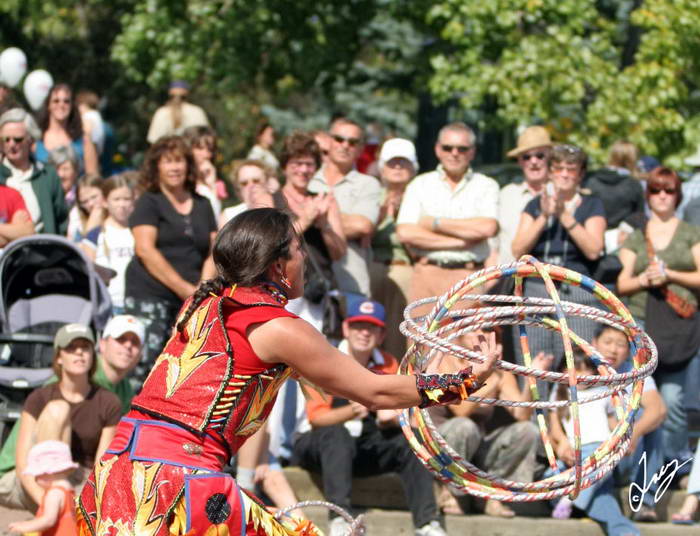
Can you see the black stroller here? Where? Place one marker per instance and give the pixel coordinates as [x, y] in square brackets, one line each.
[46, 282]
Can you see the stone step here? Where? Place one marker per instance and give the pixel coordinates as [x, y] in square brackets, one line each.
[385, 492]
[396, 523]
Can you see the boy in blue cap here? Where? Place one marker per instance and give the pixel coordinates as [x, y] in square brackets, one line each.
[346, 439]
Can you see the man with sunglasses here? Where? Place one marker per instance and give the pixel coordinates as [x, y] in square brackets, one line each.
[38, 184]
[532, 153]
[358, 198]
[448, 215]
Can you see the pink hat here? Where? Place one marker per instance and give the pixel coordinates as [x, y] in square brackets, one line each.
[49, 457]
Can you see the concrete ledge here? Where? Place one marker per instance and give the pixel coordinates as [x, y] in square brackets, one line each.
[385, 492]
[394, 523]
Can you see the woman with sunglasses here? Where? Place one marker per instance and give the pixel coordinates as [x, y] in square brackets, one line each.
[562, 226]
[61, 125]
[661, 275]
[72, 409]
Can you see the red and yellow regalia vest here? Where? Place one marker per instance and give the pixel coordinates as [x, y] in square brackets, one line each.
[195, 382]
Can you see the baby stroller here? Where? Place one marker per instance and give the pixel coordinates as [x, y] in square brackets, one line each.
[45, 282]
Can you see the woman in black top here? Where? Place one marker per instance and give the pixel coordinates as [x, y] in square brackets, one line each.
[562, 226]
[174, 228]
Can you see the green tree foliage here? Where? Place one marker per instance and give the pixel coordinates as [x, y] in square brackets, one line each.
[593, 71]
[298, 62]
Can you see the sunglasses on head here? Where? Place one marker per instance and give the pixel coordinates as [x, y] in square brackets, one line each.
[668, 189]
[461, 149]
[539, 156]
[16, 139]
[568, 148]
[342, 139]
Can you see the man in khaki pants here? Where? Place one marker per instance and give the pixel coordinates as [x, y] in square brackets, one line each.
[448, 215]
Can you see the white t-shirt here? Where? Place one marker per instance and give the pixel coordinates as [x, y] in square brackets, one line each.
[21, 181]
[205, 191]
[115, 248]
[649, 385]
[431, 194]
[97, 132]
[593, 416]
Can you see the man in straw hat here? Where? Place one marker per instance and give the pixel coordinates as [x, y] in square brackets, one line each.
[532, 153]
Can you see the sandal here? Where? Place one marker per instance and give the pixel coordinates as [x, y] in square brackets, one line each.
[645, 514]
[680, 518]
[687, 512]
[497, 509]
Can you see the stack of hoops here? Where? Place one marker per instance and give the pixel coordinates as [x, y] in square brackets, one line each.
[434, 335]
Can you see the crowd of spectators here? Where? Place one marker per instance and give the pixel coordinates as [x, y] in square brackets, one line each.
[377, 241]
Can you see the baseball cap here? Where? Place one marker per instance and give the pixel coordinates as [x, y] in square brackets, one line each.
[179, 84]
[68, 333]
[49, 457]
[366, 311]
[647, 163]
[120, 324]
[398, 148]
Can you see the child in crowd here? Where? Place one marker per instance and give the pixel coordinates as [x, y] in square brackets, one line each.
[113, 243]
[596, 419]
[89, 211]
[646, 433]
[50, 463]
[202, 141]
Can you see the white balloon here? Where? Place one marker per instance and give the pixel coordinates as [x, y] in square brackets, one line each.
[36, 87]
[13, 65]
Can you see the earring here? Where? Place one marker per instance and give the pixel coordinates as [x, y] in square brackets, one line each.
[285, 281]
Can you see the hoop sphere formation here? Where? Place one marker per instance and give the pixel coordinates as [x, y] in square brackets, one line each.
[434, 336]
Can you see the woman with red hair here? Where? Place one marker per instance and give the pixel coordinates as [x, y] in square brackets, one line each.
[661, 275]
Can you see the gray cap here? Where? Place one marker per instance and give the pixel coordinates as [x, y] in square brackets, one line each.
[68, 333]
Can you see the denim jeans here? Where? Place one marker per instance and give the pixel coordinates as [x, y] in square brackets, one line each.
[629, 469]
[679, 392]
[600, 504]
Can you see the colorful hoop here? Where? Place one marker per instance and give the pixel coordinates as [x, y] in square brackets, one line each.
[432, 337]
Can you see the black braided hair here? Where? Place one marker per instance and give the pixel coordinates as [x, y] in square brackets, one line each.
[206, 288]
[244, 250]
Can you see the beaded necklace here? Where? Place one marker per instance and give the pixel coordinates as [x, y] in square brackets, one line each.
[276, 292]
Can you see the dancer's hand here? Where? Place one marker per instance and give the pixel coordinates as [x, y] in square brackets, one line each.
[486, 345]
